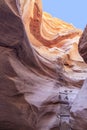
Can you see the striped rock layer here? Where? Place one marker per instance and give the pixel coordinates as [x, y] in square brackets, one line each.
[40, 67]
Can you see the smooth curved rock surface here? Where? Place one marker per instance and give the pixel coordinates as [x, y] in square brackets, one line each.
[79, 110]
[54, 39]
[39, 58]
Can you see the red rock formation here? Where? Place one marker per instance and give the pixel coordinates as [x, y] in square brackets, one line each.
[46, 32]
[38, 59]
[79, 107]
[83, 45]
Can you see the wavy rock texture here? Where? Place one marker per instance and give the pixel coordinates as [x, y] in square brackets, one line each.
[79, 107]
[53, 38]
[39, 58]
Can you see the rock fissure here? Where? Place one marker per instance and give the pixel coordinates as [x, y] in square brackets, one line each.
[42, 74]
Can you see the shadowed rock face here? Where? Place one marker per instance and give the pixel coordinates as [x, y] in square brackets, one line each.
[83, 45]
[79, 110]
[38, 59]
[79, 107]
[11, 117]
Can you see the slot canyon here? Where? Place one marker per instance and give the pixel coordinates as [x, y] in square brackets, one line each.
[43, 69]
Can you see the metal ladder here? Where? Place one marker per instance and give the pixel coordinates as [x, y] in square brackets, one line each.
[64, 111]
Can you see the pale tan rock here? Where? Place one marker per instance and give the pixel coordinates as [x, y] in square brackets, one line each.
[46, 32]
[53, 38]
[36, 63]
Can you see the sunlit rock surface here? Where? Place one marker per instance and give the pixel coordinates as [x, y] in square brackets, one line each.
[53, 38]
[40, 66]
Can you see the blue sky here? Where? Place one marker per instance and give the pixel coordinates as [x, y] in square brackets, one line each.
[71, 11]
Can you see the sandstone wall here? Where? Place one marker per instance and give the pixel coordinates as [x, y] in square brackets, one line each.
[39, 58]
